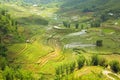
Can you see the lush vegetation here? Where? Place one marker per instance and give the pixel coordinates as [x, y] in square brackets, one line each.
[9, 34]
[59, 39]
[115, 66]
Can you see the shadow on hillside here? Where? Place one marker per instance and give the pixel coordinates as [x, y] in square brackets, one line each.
[36, 20]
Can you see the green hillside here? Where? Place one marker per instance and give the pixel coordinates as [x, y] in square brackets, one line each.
[59, 40]
[79, 5]
[91, 5]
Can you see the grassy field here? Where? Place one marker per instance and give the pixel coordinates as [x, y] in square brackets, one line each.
[91, 73]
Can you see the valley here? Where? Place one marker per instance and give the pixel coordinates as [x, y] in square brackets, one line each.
[54, 45]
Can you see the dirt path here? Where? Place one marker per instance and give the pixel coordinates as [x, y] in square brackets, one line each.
[26, 46]
[106, 73]
[21, 51]
[42, 61]
[55, 44]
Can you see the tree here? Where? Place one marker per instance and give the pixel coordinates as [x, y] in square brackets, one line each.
[3, 11]
[68, 25]
[94, 60]
[103, 18]
[65, 24]
[67, 69]
[99, 43]
[76, 25]
[3, 50]
[3, 63]
[7, 27]
[72, 67]
[8, 73]
[24, 75]
[82, 26]
[57, 71]
[96, 23]
[80, 61]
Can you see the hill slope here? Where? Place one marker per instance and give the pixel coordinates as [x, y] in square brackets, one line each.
[80, 5]
[90, 5]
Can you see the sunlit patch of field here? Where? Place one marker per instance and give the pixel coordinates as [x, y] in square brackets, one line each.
[112, 57]
[18, 11]
[32, 52]
[114, 76]
[14, 49]
[48, 12]
[86, 72]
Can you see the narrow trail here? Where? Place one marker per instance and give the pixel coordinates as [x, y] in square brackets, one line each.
[106, 73]
[21, 51]
[26, 46]
[42, 61]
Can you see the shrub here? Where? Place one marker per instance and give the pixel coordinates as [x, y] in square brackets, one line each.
[94, 60]
[3, 50]
[115, 66]
[72, 67]
[8, 73]
[3, 63]
[102, 62]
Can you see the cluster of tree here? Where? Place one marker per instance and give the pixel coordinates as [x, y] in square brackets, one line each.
[4, 29]
[87, 10]
[16, 74]
[66, 69]
[68, 25]
[9, 31]
[96, 23]
[96, 60]
[110, 14]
